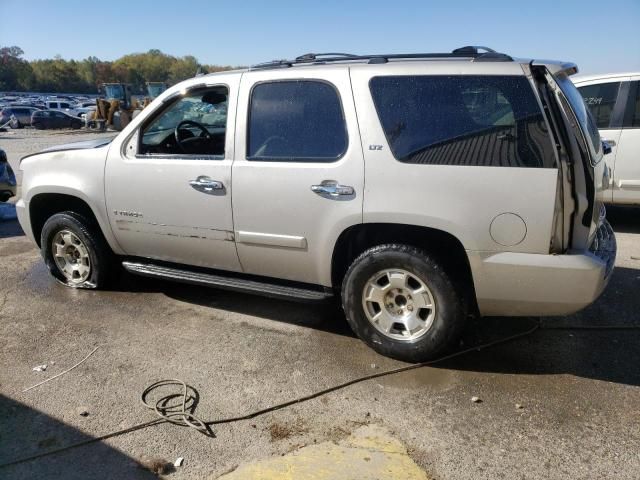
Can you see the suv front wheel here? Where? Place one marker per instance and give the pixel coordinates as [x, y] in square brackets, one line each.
[75, 251]
[403, 303]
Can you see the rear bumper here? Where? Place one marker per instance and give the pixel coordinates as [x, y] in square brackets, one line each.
[517, 284]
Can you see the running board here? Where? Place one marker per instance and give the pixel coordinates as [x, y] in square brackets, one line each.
[227, 283]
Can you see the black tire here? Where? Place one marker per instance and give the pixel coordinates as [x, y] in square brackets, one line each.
[17, 124]
[451, 303]
[102, 260]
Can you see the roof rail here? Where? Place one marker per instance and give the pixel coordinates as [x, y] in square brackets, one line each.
[472, 52]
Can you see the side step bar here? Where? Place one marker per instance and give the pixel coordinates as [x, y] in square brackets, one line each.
[227, 283]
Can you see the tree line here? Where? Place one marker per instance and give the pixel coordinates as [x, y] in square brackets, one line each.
[85, 76]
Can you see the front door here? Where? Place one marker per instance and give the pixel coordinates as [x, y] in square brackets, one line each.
[59, 120]
[627, 171]
[168, 184]
[606, 100]
[298, 174]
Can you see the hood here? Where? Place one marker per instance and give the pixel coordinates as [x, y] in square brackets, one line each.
[98, 142]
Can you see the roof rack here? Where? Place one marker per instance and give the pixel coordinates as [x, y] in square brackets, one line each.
[472, 52]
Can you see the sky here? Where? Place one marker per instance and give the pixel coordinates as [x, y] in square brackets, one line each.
[599, 36]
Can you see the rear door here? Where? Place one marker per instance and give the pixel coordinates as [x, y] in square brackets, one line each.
[298, 173]
[627, 172]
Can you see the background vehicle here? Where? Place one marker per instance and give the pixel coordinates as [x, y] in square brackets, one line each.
[44, 119]
[62, 106]
[614, 101]
[22, 115]
[484, 203]
[7, 178]
[154, 89]
[117, 108]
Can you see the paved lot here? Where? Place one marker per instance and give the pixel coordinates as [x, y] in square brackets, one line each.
[579, 389]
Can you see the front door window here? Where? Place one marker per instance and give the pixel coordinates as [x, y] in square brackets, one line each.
[194, 124]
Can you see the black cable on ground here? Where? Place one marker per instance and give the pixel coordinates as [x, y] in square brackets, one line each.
[181, 412]
[591, 327]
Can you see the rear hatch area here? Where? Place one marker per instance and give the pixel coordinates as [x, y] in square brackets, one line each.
[585, 173]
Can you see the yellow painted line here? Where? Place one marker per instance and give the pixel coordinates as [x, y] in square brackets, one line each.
[369, 453]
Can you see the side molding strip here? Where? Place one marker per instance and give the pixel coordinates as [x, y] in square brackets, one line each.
[256, 238]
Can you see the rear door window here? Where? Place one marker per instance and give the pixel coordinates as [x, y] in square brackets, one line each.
[297, 121]
[463, 120]
[601, 98]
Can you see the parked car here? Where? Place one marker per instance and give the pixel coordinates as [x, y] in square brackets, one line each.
[614, 101]
[7, 178]
[43, 119]
[85, 104]
[482, 194]
[22, 115]
[62, 106]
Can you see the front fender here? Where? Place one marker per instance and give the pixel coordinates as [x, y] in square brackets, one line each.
[78, 173]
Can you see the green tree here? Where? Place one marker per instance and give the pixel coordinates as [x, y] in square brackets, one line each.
[15, 72]
[85, 76]
[183, 68]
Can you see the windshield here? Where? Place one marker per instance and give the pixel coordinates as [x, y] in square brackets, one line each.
[583, 115]
[155, 89]
[114, 91]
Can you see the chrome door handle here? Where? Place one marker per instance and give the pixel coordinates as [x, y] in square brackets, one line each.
[612, 143]
[331, 188]
[206, 185]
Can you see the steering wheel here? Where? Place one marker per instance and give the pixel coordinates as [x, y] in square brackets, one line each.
[182, 142]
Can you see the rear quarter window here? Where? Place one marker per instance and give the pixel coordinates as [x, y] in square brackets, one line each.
[471, 120]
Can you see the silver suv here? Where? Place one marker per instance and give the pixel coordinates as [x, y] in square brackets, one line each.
[419, 188]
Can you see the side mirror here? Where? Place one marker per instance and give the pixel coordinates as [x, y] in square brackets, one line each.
[606, 148]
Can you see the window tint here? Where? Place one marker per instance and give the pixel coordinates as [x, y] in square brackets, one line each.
[64, 105]
[601, 98]
[195, 124]
[296, 121]
[463, 120]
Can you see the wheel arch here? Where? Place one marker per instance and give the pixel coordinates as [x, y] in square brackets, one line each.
[43, 205]
[447, 249]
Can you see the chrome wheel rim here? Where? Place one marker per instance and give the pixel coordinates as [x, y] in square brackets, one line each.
[399, 304]
[71, 256]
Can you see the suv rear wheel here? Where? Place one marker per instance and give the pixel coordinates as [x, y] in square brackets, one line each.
[402, 303]
[75, 251]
